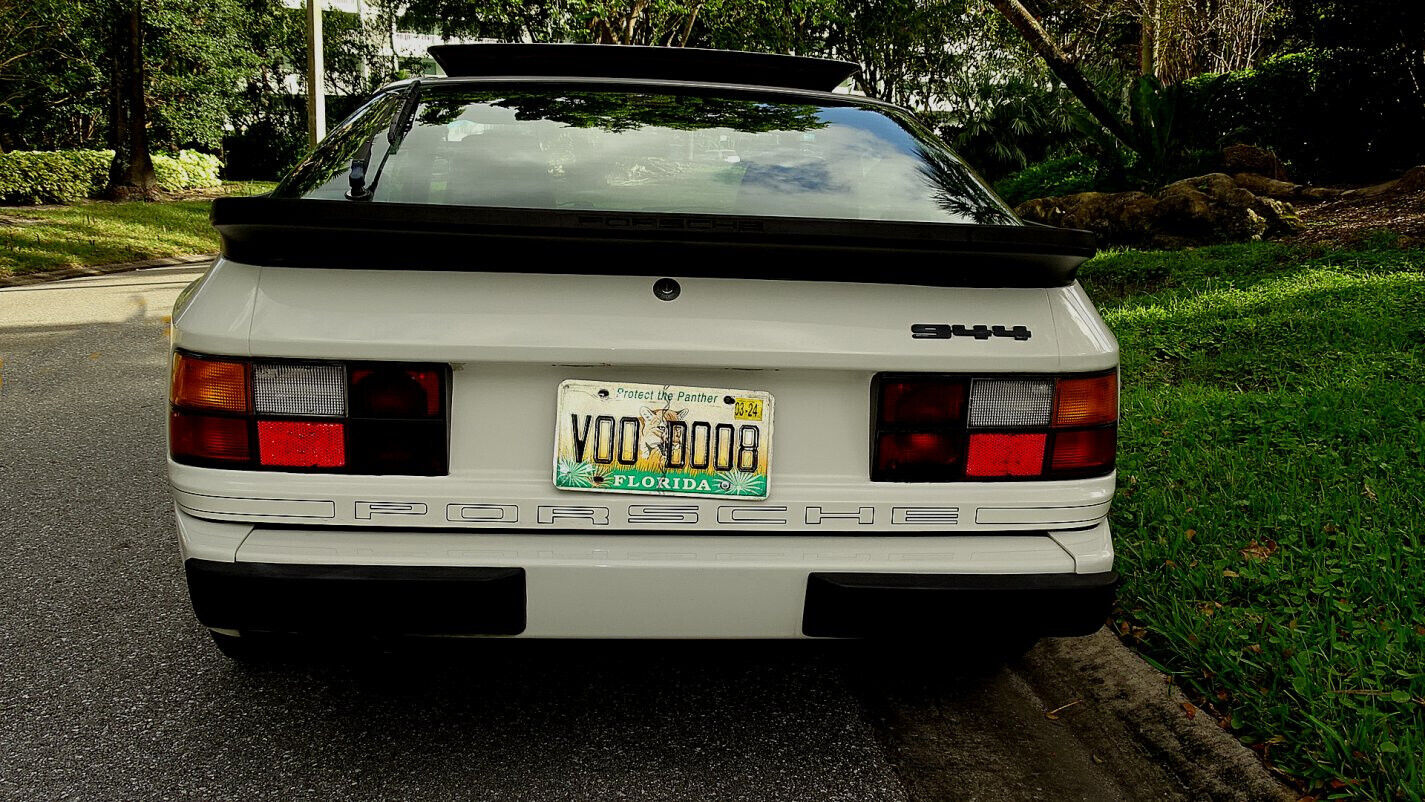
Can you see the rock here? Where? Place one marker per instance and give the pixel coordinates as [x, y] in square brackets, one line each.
[1195, 211]
[1250, 159]
[1115, 217]
[1412, 181]
[1262, 186]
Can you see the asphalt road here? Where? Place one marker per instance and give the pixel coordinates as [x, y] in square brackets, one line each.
[110, 690]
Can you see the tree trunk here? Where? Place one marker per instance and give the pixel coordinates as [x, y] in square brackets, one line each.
[131, 174]
[688, 28]
[1059, 63]
[1148, 39]
[633, 20]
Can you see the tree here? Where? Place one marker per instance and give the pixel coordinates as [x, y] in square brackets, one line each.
[131, 175]
[52, 62]
[1064, 69]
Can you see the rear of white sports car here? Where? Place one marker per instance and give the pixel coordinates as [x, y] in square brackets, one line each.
[559, 357]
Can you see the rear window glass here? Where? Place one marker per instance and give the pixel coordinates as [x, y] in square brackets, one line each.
[620, 150]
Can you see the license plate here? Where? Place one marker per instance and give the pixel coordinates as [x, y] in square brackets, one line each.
[662, 440]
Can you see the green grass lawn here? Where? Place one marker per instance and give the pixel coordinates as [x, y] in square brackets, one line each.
[98, 232]
[1272, 496]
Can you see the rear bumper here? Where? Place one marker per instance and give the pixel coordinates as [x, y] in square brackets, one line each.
[647, 585]
[408, 600]
[368, 599]
[1035, 605]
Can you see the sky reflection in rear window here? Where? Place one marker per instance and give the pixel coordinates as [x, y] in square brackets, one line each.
[637, 152]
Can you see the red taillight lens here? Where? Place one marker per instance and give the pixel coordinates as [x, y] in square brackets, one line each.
[301, 444]
[209, 384]
[1084, 450]
[911, 403]
[394, 392]
[1005, 455]
[208, 438]
[1086, 402]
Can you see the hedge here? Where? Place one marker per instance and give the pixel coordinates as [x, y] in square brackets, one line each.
[67, 176]
[1334, 114]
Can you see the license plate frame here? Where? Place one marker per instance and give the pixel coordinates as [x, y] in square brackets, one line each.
[700, 442]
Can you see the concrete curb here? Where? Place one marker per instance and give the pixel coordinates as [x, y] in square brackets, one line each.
[1105, 690]
[101, 270]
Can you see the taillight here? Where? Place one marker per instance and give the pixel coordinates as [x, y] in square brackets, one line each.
[309, 416]
[208, 438]
[935, 428]
[216, 384]
[301, 444]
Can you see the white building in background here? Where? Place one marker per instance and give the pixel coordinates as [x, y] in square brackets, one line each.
[398, 45]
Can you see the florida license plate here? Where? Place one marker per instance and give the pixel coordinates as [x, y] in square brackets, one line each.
[661, 439]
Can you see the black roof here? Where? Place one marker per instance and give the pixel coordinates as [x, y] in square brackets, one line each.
[638, 62]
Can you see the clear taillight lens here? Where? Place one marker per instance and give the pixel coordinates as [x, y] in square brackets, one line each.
[297, 389]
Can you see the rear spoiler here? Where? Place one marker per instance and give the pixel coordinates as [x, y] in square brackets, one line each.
[637, 62]
[283, 232]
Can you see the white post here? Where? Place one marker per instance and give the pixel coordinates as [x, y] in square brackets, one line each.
[316, 75]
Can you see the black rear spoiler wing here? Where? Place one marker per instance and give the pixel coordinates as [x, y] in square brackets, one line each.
[283, 232]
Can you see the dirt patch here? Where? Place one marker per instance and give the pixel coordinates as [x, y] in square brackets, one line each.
[1349, 220]
[1075, 718]
[1119, 700]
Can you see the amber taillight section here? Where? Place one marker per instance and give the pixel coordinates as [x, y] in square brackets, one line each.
[214, 384]
[1086, 402]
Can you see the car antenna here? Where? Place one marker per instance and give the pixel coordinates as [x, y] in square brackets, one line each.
[397, 132]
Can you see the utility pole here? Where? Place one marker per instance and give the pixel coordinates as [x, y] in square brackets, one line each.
[316, 75]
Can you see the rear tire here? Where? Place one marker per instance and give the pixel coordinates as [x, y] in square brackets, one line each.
[241, 648]
[1008, 649]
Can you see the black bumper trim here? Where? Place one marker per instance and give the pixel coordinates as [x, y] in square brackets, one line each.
[367, 599]
[857, 605]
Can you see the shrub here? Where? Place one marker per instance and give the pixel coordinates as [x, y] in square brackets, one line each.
[1062, 176]
[1335, 114]
[62, 176]
[69, 176]
[188, 170]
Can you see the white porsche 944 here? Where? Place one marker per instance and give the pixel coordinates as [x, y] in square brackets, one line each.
[595, 342]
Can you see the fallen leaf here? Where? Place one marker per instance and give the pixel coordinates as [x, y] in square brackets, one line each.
[1190, 534]
[1259, 551]
[1053, 715]
[1230, 572]
[1190, 709]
